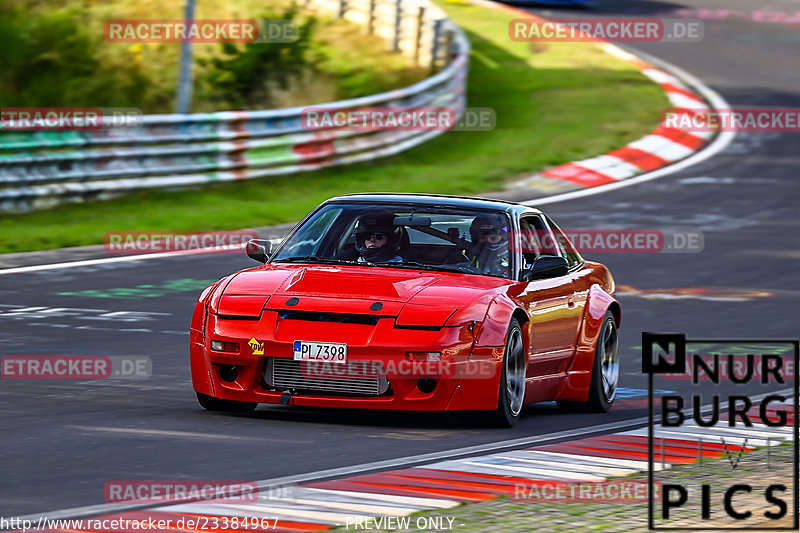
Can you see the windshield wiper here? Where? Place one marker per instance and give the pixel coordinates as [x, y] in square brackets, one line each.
[446, 268]
[312, 259]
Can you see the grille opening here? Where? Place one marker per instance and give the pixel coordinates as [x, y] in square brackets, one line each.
[344, 318]
[287, 374]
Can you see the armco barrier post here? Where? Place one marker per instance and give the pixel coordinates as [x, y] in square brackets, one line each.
[448, 47]
[371, 18]
[437, 34]
[183, 100]
[398, 17]
[418, 37]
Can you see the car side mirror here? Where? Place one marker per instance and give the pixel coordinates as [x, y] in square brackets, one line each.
[259, 249]
[544, 267]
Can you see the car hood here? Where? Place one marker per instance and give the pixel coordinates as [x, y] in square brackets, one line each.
[415, 297]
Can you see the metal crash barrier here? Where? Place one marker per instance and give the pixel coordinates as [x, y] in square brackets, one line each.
[39, 169]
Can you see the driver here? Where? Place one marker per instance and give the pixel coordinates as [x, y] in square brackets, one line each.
[377, 238]
[488, 253]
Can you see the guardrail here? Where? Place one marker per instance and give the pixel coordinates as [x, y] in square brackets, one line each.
[40, 169]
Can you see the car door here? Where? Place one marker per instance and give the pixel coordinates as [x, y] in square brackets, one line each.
[554, 308]
[579, 277]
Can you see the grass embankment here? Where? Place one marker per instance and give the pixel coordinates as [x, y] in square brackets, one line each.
[54, 53]
[554, 103]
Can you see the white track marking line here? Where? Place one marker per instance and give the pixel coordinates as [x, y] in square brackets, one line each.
[733, 432]
[408, 500]
[707, 437]
[604, 461]
[632, 463]
[305, 493]
[461, 467]
[572, 467]
[373, 509]
[756, 432]
[311, 515]
[90, 262]
[125, 258]
[518, 466]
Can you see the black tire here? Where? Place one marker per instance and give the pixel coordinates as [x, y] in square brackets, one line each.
[511, 394]
[605, 371]
[228, 406]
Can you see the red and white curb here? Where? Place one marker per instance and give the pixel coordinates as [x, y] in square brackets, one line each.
[443, 485]
[663, 147]
[660, 148]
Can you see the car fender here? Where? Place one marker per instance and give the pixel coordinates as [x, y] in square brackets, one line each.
[199, 364]
[215, 294]
[579, 373]
[494, 327]
[486, 360]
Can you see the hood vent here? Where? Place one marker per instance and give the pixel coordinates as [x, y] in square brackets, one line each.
[344, 318]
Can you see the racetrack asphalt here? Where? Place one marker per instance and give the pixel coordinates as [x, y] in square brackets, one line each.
[61, 441]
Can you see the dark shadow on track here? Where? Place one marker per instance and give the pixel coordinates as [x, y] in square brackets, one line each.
[386, 419]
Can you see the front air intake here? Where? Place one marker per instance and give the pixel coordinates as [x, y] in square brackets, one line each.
[288, 374]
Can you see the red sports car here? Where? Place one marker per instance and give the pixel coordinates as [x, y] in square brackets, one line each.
[411, 302]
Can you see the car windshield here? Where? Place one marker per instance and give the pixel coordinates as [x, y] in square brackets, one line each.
[400, 236]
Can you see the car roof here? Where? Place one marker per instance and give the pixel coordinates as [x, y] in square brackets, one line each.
[437, 200]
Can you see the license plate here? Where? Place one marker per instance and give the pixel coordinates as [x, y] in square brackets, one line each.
[332, 352]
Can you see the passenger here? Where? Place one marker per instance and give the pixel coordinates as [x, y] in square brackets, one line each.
[488, 252]
[377, 238]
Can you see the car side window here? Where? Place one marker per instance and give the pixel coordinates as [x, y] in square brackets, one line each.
[566, 247]
[534, 240]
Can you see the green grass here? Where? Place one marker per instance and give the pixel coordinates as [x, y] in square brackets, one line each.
[554, 104]
[54, 53]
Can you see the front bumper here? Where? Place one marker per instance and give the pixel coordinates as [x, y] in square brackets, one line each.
[467, 377]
